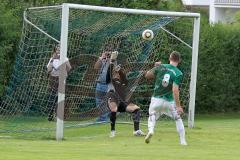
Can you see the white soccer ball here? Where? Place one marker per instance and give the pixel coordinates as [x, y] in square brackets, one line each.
[147, 34]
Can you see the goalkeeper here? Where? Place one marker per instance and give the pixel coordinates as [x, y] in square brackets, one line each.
[165, 98]
[117, 96]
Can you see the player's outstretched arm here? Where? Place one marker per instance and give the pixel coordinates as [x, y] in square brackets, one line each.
[98, 63]
[150, 74]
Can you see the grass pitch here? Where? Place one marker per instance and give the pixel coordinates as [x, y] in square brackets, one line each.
[213, 138]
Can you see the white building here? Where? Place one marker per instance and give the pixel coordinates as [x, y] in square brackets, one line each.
[219, 10]
[196, 3]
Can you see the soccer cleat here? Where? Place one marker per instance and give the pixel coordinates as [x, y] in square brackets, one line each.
[139, 133]
[148, 137]
[184, 143]
[112, 134]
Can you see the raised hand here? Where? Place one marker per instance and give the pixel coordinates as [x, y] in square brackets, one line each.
[114, 55]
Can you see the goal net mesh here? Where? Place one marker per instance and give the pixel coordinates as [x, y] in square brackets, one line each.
[24, 104]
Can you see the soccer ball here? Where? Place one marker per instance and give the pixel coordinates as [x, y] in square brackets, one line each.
[147, 34]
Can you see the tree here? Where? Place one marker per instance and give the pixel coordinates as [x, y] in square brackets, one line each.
[9, 36]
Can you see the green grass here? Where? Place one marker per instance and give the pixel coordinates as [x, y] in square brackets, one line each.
[213, 138]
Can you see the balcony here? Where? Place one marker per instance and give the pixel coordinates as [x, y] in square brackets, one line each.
[227, 2]
[223, 10]
[197, 3]
[206, 3]
[219, 10]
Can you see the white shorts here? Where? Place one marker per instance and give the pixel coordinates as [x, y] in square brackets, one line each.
[159, 106]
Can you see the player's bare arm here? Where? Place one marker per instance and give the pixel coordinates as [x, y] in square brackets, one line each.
[175, 90]
[98, 64]
[150, 73]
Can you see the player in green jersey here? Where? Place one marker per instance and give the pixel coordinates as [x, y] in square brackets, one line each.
[165, 98]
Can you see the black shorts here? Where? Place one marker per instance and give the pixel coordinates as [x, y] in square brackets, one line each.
[114, 97]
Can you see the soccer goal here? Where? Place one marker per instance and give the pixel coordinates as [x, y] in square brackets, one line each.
[84, 32]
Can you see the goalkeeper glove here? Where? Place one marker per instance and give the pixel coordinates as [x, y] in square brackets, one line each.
[114, 55]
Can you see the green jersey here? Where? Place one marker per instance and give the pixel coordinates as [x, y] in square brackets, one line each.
[165, 76]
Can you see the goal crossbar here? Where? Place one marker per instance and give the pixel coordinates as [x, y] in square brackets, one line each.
[124, 10]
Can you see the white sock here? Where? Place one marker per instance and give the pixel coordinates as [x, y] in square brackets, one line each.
[180, 130]
[151, 123]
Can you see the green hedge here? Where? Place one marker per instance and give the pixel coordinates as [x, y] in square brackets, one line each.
[218, 85]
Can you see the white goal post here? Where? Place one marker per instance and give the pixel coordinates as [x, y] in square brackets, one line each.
[64, 48]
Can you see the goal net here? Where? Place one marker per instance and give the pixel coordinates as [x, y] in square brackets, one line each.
[84, 32]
